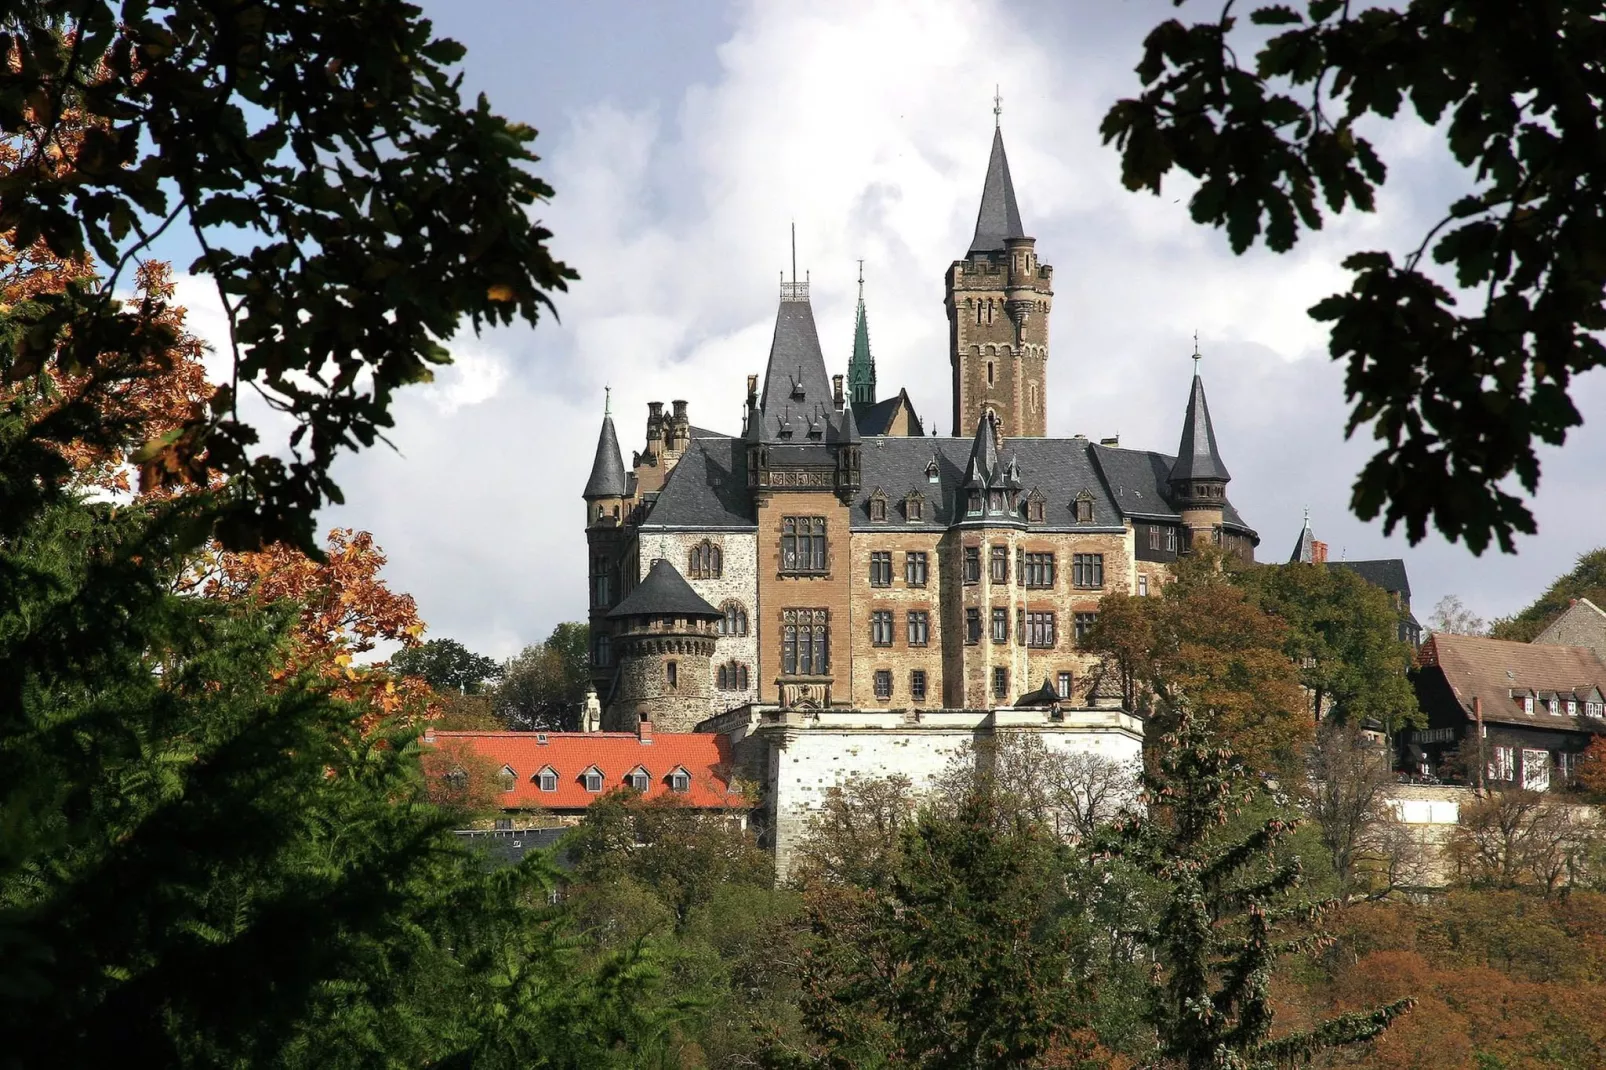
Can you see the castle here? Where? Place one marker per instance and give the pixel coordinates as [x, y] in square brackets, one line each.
[834, 557]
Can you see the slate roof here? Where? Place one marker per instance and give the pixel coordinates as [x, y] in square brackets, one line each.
[1387, 573]
[1139, 482]
[1058, 468]
[608, 469]
[1490, 669]
[1047, 695]
[705, 756]
[706, 489]
[876, 418]
[664, 593]
[999, 216]
[1305, 548]
[1197, 456]
[797, 391]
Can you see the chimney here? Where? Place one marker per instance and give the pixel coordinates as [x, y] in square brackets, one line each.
[1113, 440]
[680, 412]
[655, 419]
[1318, 551]
[836, 392]
[644, 730]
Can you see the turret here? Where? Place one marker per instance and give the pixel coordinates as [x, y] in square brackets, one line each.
[663, 641]
[608, 502]
[1198, 479]
[607, 488]
[861, 367]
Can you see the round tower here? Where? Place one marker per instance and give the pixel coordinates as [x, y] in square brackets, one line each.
[663, 644]
[1199, 479]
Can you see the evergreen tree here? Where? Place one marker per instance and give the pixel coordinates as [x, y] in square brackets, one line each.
[1228, 911]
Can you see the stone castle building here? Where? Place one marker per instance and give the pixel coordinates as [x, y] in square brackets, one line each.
[834, 557]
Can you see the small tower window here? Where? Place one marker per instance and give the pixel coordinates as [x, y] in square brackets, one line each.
[974, 508]
[989, 373]
[672, 672]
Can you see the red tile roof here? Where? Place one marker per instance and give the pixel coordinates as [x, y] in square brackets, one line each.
[705, 756]
[1491, 669]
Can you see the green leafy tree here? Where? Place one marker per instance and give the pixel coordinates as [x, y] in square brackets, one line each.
[446, 665]
[1586, 580]
[1343, 634]
[1228, 911]
[544, 686]
[352, 209]
[1459, 400]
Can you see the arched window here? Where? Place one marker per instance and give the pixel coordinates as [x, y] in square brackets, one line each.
[735, 620]
[732, 676]
[705, 562]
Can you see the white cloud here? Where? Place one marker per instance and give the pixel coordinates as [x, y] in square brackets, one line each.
[868, 125]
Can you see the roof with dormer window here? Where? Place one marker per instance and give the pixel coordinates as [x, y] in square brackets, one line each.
[1500, 674]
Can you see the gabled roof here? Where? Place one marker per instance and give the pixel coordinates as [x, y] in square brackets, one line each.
[797, 391]
[1387, 573]
[1197, 456]
[1491, 669]
[999, 216]
[664, 593]
[705, 755]
[608, 469]
[877, 418]
[706, 489]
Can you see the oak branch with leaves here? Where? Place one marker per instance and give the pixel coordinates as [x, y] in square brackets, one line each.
[1458, 399]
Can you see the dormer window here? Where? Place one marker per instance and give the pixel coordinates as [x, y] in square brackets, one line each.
[1034, 508]
[547, 779]
[1084, 508]
[914, 509]
[932, 474]
[974, 506]
[638, 779]
[679, 780]
[1572, 707]
[995, 501]
[592, 779]
[878, 508]
[507, 778]
[456, 780]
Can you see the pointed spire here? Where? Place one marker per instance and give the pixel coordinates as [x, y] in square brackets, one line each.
[983, 469]
[861, 367]
[608, 469]
[1197, 456]
[1305, 548]
[999, 217]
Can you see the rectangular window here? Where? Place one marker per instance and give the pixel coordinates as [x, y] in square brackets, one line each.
[1502, 764]
[1020, 625]
[973, 503]
[973, 564]
[1566, 766]
[805, 642]
[883, 684]
[1171, 540]
[1063, 685]
[972, 626]
[1040, 630]
[881, 568]
[803, 544]
[1154, 537]
[881, 628]
[1087, 570]
[1143, 586]
[1083, 623]
[914, 509]
[1000, 564]
[919, 627]
[1536, 769]
[917, 685]
[1037, 570]
[1000, 682]
[1000, 625]
[914, 568]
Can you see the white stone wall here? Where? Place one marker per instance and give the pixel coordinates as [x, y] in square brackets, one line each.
[809, 753]
[738, 582]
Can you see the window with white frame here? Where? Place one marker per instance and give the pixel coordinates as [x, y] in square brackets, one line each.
[547, 779]
[1063, 685]
[638, 779]
[679, 779]
[592, 778]
[1535, 769]
[1501, 764]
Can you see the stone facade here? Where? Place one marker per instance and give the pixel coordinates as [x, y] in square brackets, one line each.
[736, 587]
[781, 593]
[663, 677]
[799, 756]
[998, 310]
[1583, 624]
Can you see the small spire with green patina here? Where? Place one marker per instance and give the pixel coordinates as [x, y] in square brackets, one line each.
[861, 369]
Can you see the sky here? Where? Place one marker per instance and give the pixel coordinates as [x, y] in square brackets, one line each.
[683, 140]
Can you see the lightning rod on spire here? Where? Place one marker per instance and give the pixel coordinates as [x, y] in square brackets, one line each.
[1196, 355]
[998, 107]
[794, 252]
[861, 282]
[607, 401]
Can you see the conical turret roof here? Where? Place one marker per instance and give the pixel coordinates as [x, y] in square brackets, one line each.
[1197, 456]
[664, 593]
[608, 469]
[999, 217]
[983, 469]
[1305, 548]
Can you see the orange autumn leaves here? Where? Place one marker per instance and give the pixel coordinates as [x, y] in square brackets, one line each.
[346, 610]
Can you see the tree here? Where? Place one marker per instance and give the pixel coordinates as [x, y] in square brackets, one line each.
[1071, 793]
[323, 161]
[1343, 634]
[446, 665]
[1204, 638]
[1228, 912]
[1345, 795]
[1586, 580]
[1453, 618]
[1592, 766]
[1519, 838]
[963, 962]
[544, 686]
[1460, 401]
[856, 835]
